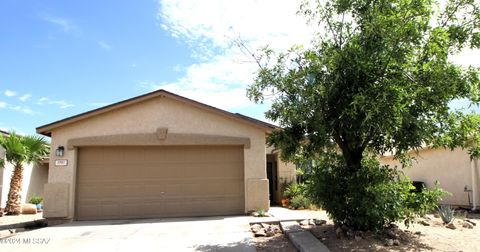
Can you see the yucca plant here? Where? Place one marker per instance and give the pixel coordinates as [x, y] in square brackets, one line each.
[447, 213]
[261, 213]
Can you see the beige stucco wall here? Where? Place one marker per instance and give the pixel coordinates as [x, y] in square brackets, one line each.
[34, 177]
[453, 169]
[147, 117]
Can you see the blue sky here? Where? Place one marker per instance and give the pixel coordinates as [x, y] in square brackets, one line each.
[61, 58]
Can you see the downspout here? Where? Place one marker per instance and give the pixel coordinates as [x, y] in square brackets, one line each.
[474, 166]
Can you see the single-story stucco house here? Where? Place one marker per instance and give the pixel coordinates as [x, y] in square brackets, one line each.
[163, 155]
[454, 170]
[34, 177]
[160, 155]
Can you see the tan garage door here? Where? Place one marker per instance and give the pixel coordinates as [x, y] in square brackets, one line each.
[146, 182]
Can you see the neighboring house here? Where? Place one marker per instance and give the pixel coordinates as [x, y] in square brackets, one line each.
[160, 155]
[454, 170]
[34, 177]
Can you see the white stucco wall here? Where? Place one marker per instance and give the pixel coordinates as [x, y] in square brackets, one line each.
[34, 177]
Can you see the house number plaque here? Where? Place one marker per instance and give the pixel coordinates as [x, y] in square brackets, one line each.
[61, 162]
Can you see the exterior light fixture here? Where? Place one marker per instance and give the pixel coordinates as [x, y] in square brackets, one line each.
[60, 151]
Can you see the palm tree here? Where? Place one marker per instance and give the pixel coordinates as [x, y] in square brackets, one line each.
[20, 150]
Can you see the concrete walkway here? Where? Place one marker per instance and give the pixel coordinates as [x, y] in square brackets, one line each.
[285, 214]
[282, 213]
[302, 239]
[169, 234]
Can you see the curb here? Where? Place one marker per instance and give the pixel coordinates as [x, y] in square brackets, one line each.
[27, 225]
[303, 240]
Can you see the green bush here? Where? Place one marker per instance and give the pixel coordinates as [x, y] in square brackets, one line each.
[299, 201]
[369, 198]
[35, 199]
[293, 189]
[260, 213]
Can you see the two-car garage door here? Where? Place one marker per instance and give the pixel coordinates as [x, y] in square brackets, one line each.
[160, 181]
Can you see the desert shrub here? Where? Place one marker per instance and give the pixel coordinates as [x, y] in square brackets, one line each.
[300, 201]
[260, 213]
[368, 198]
[293, 189]
[35, 199]
[447, 213]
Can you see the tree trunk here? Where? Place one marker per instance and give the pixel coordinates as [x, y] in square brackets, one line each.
[355, 162]
[14, 202]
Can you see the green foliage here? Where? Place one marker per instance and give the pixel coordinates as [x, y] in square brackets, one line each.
[377, 78]
[260, 213]
[300, 201]
[297, 195]
[35, 199]
[419, 204]
[293, 189]
[24, 149]
[369, 198]
[447, 213]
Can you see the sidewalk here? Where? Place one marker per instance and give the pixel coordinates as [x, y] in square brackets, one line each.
[20, 221]
[284, 214]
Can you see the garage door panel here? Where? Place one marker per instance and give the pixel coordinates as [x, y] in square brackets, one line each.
[146, 155]
[148, 182]
[184, 170]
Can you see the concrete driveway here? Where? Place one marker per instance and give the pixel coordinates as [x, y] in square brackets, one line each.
[169, 234]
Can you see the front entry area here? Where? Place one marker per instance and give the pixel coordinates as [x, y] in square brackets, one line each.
[272, 176]
[159, 181]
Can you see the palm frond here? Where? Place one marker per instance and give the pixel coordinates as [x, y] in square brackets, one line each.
[14, 151]
[24, 149]
[36, 148]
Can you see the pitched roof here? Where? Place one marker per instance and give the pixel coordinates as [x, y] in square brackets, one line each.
[5, 133]
[47, 128]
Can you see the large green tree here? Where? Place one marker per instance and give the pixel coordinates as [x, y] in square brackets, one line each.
[378, 78]
[20, 150]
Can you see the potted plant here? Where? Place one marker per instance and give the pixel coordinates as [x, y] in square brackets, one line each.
[37, 200]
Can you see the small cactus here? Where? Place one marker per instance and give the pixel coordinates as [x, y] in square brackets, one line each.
[446, 213]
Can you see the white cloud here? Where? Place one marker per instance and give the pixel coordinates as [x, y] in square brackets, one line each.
[10, 93]
[3, 104]
[25, 97]
[63, 23]
[216, 21]
[42, 100]
[210, 27]
[60, 103]
[23, 109]
[221, 98]
[104, 45]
